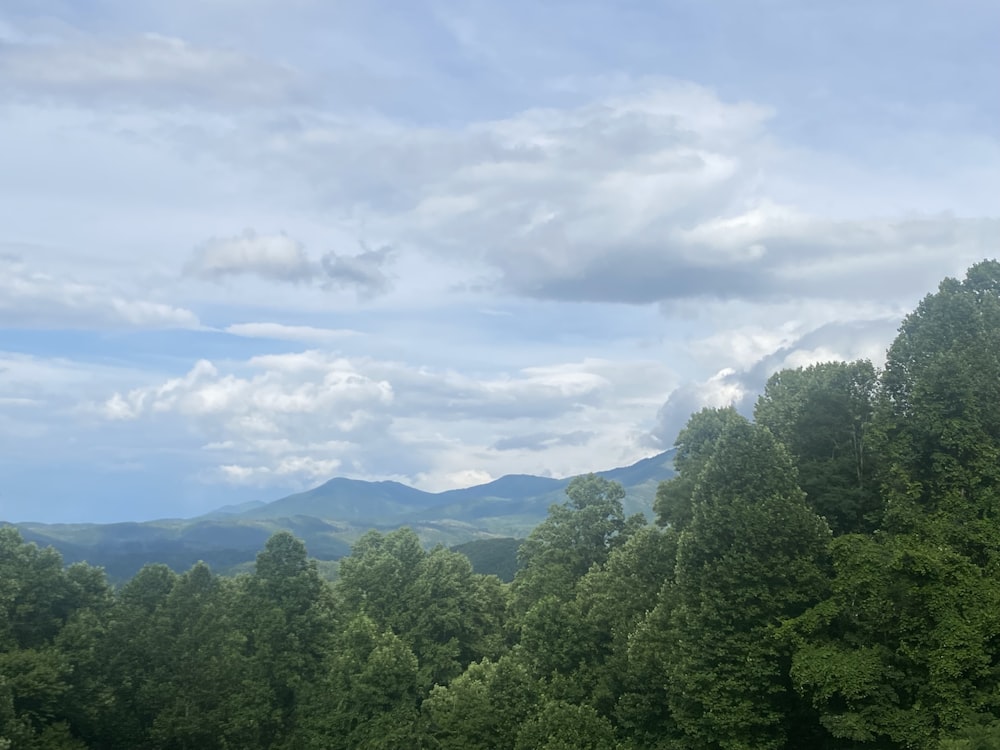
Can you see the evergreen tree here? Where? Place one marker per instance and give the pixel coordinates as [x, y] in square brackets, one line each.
[752, 557]
[286, 612]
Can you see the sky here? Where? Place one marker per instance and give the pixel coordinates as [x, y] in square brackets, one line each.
[247, 246]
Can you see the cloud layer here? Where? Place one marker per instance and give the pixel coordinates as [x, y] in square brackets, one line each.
[252, 247]
[291, 417]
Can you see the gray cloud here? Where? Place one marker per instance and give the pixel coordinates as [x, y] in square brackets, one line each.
[276, 257]
[540, 441]
[364, 272]
[656, 194]
[281, 258]
[725, 388]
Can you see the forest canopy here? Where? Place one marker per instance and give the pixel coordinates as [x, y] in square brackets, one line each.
[825, 575]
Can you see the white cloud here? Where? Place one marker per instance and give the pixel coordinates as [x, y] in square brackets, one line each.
[506, 175]
[285, 417]
[35, 299]
[281, 332]
[276, 257]
[301, 468]
[757, 352]
[662, 193]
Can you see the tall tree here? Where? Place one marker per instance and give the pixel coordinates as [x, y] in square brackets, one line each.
[823, 415]
[368, 697]
[694, 444]
[577, 534]
[906, 649]
[940, 416]
[129, 653]
[484, 708]
[751, 557]
[287, 613]
[448, 615]
[201, 687]
[46, 613]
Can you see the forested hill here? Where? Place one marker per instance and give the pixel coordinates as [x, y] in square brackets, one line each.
[332, 516]
[825, 577]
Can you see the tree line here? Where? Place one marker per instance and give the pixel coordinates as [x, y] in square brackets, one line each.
[824, 576]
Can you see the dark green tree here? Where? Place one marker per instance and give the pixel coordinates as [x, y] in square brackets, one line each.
[612, 601]
[49, 618]
[752, 556]
[200, 687]
[823, 415]
[484, 708]
[128, 653]
[694, 444]
[368, 698]
[940, 417]
[565, 726]
[448, 615]
[286, 611]
[905, 651]
[577, 534]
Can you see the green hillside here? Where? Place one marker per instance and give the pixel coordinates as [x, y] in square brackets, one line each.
[330, 517]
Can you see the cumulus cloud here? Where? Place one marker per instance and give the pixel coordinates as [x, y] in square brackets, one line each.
[724, 388]
[284, 417]
[32, 298]
[844, 340]
[662, 192]
[285, 386]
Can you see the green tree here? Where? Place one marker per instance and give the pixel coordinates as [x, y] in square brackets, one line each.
[694, 445]
[612, 602]
[286, 611]
[905, 646]
[200, 680]
[577, 534]
[940, 417]
[368, 697]
[448, 615]
[36, 596]
[905, 649]
[752, 556]
[564, 726]
[484, 708]
[823, 415]
[48, 620]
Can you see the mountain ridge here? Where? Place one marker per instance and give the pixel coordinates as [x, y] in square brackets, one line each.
[332, 515]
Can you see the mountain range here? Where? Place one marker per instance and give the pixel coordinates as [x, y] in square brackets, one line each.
[330, 517]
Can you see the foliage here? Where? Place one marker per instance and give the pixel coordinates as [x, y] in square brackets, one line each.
[826, 577]
[695, 444]
[751, 557]
[577, 534]
[823, 414]
[492, 556]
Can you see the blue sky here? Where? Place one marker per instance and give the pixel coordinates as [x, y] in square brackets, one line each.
[248, 246]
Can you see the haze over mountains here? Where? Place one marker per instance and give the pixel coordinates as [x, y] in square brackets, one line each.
[331, 516]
